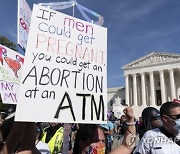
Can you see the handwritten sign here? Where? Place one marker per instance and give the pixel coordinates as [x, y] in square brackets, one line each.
[24, 18]
[64, 79]
[11, 64]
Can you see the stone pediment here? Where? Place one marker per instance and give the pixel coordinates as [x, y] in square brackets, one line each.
[153, 58]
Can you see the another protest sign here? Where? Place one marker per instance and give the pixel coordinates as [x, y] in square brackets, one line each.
[65, 75]
[11, 64]
[24, 18]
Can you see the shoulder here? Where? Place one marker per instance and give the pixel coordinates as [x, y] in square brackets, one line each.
[110, 124]
[146, 141]
[45, 129]
[103, 125]
[41, 145]
[60, 130]
[153, 132]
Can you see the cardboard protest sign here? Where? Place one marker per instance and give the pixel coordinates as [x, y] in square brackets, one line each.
[23, 23]
[11, 64]
[65, 75]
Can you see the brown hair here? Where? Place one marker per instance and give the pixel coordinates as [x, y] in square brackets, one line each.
[84, 134]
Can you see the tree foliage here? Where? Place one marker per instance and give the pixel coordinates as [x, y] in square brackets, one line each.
[7, 43]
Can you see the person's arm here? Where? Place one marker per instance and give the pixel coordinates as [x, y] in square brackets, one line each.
[131, 127]
[128, 143]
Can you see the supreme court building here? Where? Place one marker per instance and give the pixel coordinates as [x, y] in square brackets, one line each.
[152, 80]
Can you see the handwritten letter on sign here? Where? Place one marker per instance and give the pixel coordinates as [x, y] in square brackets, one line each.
[65, 71]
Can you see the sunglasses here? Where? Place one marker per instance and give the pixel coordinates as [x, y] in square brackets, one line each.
[174, 116]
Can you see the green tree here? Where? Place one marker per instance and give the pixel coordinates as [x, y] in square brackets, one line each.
[7, 43]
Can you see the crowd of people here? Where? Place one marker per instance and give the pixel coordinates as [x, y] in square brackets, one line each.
[155, 132]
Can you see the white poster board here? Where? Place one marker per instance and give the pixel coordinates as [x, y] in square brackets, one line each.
[178, 93]
[23, 23]
[11, 64]
[65, 75]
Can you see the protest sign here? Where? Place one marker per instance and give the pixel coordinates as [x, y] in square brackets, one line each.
[11, 64]
[23, 23]
[65, 75]
[178, 93]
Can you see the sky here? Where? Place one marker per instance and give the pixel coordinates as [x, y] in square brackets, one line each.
[136, 28]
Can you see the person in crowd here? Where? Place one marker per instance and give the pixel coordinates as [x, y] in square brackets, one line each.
[6, 126]
[123, 125]
[108, 132]
[74, 129]
[41, 146]
[129, 140]
[140, 122]
[165, 139]
[150, 119]
[21, 139]
[53, 136]
[1, 135]
[112, 117]
[117, 126]
[90, 138]
[1, 118]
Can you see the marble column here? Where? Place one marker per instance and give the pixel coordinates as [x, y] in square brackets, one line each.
[127, 89]
[152, 88]
[143, 88]
[163, 87]
[172, 84]
[135, 103]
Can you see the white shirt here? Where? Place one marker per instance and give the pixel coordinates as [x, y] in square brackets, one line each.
[155, 142]
[43, 147]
